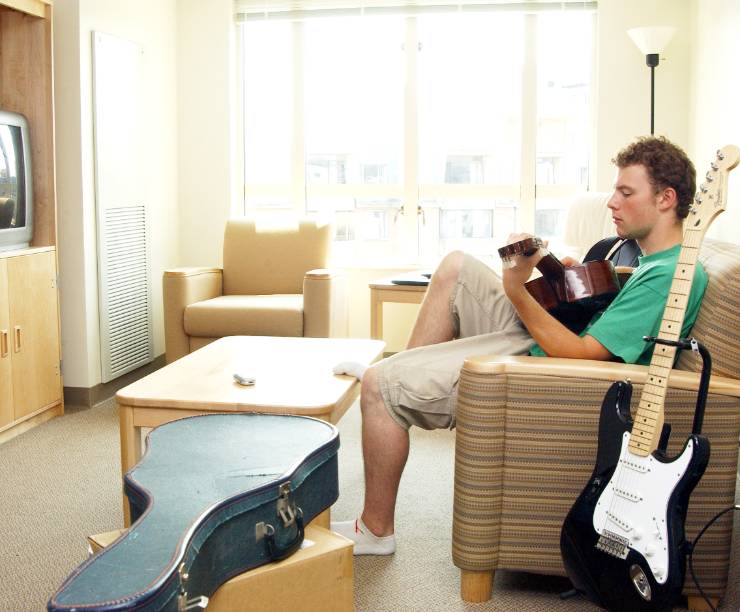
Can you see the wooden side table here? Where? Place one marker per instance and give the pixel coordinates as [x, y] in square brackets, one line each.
[384, 290]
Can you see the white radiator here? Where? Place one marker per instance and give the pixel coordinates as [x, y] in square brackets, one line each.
[124, 286]
[125, 302]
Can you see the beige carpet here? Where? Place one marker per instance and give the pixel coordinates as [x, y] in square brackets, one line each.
[61, 481]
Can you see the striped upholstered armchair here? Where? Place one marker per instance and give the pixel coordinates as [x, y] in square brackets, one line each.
[526, 444]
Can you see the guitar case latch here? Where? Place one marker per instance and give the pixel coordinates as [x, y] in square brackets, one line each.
[183, 603]
[286, 508]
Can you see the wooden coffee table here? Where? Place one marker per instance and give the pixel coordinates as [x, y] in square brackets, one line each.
[293, 376]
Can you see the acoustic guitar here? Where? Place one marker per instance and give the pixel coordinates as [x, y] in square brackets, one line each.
[572, 294]
[623, 542]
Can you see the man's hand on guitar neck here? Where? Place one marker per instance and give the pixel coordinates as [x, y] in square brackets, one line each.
[520, 267]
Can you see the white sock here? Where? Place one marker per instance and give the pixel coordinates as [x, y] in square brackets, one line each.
[353, 368]
[366, 542]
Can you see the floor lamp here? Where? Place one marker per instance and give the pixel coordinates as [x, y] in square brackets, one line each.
[651, 41]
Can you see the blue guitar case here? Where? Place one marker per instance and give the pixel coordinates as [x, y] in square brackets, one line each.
[212, 497]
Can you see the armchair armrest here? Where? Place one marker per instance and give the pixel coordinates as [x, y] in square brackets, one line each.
[325, 308]
[590, 369]
[182, 287]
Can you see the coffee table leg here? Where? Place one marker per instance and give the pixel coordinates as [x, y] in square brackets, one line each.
[130, 450]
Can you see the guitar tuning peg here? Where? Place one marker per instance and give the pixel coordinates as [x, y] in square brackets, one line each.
[703, 188]
[698, 199]
[714, 166]
[693, 210]
[709, 177]
[720, 155]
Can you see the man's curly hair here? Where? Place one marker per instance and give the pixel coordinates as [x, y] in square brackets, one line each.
[667, 165]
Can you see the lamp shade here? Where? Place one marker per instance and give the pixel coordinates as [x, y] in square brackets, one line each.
[652, 39]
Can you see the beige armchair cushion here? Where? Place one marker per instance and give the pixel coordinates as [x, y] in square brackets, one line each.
[245, 315]
[718, 323]
[588, 221]
[262, 260]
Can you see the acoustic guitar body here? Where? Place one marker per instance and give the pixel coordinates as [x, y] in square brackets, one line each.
[212, 497]
[574, 294]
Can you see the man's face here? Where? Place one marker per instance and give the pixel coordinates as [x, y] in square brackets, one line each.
[634, 203]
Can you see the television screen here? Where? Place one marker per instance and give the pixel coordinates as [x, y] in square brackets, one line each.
[15, 182]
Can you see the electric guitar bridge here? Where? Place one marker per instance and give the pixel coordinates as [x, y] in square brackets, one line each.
[613, 544]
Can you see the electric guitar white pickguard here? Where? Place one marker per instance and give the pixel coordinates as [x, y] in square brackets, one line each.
[632, 509]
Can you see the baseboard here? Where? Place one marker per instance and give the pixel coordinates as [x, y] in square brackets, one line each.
[87, 397]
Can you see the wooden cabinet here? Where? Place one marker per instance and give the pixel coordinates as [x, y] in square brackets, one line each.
[32, 299]
[29, 335]
[6, 377]
[30, 378]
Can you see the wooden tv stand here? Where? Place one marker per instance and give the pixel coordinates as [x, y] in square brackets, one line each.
[30, 366]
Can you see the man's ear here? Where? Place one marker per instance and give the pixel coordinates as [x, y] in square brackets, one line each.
[667, 199]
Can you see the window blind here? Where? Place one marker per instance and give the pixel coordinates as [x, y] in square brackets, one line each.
[303, 9]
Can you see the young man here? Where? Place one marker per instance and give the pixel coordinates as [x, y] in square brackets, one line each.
[469, 310]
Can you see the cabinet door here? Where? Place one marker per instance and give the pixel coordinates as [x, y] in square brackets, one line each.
[34, 332]
[6, 395]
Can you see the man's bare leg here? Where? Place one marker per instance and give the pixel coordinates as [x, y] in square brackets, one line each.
[385, 444]
[385, 448]
[433, 323]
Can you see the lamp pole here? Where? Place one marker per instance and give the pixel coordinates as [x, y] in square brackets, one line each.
[652, 59]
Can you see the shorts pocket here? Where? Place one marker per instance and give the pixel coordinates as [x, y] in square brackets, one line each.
[432, 411]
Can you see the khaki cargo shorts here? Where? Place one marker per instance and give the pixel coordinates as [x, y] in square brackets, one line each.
[419, 386]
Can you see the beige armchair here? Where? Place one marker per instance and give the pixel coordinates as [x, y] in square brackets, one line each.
[274, 282]
[526, 443]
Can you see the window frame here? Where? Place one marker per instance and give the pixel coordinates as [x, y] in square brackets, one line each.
[406, 219]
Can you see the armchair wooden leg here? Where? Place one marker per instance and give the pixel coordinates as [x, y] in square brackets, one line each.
[476, 587]
[696, 603]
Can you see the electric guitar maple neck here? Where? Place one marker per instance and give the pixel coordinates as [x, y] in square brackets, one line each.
[709, 202]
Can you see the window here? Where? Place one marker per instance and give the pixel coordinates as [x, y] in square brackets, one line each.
[419, 133]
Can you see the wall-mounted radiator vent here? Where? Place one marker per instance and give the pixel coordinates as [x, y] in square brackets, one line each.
[120, 197]
[125, 317]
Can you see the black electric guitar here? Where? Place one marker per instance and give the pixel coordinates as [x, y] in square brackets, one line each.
[623, 542]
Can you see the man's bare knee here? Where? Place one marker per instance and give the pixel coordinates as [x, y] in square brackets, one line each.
[370, 390]
[448, 270]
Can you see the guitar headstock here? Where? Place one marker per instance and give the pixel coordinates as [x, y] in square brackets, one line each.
[527, 247]
[711, 199]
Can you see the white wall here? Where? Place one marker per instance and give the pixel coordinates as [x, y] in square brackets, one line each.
[715, 99]
[623, 91]
[152, 25]
[206, 127]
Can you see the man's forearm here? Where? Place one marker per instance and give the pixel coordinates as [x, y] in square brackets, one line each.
[552, 336]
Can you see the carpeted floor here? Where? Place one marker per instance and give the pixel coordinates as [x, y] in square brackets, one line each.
[61, 481]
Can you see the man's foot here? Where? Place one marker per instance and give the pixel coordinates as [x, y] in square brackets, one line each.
[366, 543]
[353, 368]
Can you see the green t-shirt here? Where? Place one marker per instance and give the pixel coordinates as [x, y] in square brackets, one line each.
[637, 310]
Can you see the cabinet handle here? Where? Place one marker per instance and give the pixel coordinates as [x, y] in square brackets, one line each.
[17, 338]
[3, 342]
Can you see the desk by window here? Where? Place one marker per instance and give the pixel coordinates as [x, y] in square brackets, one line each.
[384, 290]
